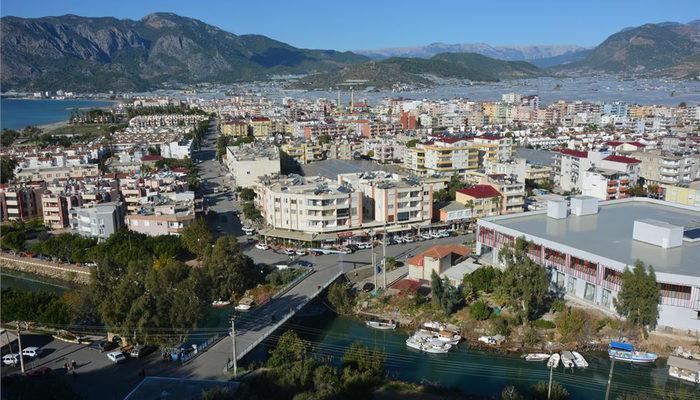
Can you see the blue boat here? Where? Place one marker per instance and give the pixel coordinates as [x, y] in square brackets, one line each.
[625, 352]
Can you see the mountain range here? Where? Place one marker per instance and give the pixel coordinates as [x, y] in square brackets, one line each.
[166, 50]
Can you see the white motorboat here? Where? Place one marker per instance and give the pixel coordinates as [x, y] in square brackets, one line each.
[491, 340]
[436, 348]
[579, 360]
[449, 337]
[381, 325]
[414, 343]
[567, 359]
[537, 357]
[220, 303]
[553, 361]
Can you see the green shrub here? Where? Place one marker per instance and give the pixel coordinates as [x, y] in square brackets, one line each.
[544, 324]
[558, 305]
[479, 310]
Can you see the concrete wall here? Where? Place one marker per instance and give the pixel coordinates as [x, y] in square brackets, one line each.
[66, 272]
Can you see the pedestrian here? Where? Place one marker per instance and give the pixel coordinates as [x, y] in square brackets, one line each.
[65, 365]
[75, 376]
[73, 364]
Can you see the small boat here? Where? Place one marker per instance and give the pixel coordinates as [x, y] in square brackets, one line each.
[220, 303]
[567, 359]
[437, 348]
[553, 361]
[381, 325]
[625, 352]
[537, 357]
[244, 305]
[579, 360]
[491, 340]
[414, 343]
[684, 369]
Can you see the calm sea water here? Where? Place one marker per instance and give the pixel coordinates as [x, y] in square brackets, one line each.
[18, 113]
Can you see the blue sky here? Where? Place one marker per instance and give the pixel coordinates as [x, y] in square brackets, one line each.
[366, 24]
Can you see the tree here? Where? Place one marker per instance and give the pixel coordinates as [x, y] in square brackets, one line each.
[446, 295]
[639, 296]
[7, 169]
[479, 310]
[8, 136]
[470, 205]
[363, 359]
[230, 271]
[541, 389]
[412, 143]
[484, 279]
[496, 202]
[340, 298]
[246, 194]
[324, 139]
[524, 284]
[196, 237]
[572, 324]
[290, 348]
[436, 288]
[251, 212]
[511, 393]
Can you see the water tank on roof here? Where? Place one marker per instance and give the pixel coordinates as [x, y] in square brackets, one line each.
[584, 205]
[557, 209]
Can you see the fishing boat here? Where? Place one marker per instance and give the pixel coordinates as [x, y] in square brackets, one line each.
[245, 304]
[579, 360]
[537, 357]
[381, 325]
[437, 348]
[625, 352]
[553, 361]
[567, 359]
[414, 343]
[428, 345]
[220, 303]
[684, 369]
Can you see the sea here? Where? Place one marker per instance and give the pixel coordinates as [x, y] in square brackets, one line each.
[18, 113]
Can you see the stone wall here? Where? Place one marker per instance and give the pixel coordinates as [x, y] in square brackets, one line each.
[67, 272]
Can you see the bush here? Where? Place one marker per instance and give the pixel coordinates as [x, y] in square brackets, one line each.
[483, 279]
[541, 388]
[531, 338]
[572, 323]
[544, 324]
[41, 307]
[479, 310]
[558, 305]
[499, 325]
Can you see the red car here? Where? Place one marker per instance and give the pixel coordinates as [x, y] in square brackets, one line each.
[39, 372]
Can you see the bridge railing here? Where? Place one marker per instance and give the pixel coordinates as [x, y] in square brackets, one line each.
[284, 319]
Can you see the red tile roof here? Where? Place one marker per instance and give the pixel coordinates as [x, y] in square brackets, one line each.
[490, 137]
[481, 191]
[622, 159]
[150, 157]
[618, 143]
[439, 251]
[407, 285]
[574, 153]
[449, 139]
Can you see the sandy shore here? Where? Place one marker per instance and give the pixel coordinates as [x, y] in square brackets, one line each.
[52, 126]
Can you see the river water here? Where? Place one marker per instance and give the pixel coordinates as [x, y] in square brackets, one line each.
[472, 371]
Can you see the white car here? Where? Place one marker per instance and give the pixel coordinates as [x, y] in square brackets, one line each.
[435, 235]
[261, 246]
[31, 352]
[445, 234]
[426, 236]
[408, 239]
[289, 252]
[10, 359]
[300, 252]
[116, 356]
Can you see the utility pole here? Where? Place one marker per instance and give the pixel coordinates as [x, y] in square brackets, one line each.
[19, 343]
[374, 268]
[610, 375]
[549, 389]
[233, 348]
[384, 258]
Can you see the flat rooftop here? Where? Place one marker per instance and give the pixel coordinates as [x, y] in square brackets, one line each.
[609, 233]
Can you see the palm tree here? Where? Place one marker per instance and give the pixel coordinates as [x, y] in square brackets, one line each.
[470, 205]
[496, 202]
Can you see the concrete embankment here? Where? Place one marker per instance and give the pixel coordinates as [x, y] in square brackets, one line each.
[67, 272]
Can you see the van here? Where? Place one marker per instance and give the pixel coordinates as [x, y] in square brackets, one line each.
[141, 350]
[116, 356]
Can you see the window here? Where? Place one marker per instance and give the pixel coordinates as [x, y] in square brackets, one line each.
[589, 293]
[605, 298]
[560, 280]
[571, 285]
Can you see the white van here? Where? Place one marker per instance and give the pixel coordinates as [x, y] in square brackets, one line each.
[31, 352]
[116, 356]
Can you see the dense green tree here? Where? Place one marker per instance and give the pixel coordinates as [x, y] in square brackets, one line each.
[445, 295]
[230, 271]
[42, 307]
[289, 349]
[449, 193]
[327, 384]
[12, 239]
[341, 298]
[196, 238]
[541, 389]
[8, 136]
[524, 284]
[363, 359]
[412, 143]
[324, 139]
[484, 279]
[246, 194]
[251, 212]
[639, 296]
[66, 246]
[7, 169]
[479, 310]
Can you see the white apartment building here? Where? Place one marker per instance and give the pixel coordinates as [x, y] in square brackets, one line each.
[606, 184]
[247, 163]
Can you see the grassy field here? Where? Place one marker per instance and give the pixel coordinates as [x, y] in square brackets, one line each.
[82, 129]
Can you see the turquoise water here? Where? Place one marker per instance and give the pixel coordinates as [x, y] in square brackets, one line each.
[473, 371]
[18, 113]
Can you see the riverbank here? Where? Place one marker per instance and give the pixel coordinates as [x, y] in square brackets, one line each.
[71, 273]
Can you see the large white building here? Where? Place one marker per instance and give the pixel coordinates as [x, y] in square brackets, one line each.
[248, 163]
[588, 247]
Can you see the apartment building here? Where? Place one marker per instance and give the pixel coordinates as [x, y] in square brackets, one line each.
[51, 173]
[481, 200]
[663, 167]
[236, 128]
[97, 220]
[342, 150]
[261, 127]
[444, 157]
[247, 163]
[567, 168]
[158, 218]
[54, 210]
[20, 202]
[512, 192]
[683, 193]
[307, 208]
[606, 184]
[303, 152]
[494, 147]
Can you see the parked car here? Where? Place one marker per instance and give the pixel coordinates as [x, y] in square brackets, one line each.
[304, 263]
[116, 356]
[300, 252]
[289, 252]
[141, 350]
[368, 287]
[408, 239]
[444, 234]
[435, 235]
[40, 372]
[10, 359]
[31, 352]
[426, 236]
[103, 345]
[261, 246]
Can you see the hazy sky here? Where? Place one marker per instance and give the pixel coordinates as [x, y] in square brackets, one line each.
[365, 24]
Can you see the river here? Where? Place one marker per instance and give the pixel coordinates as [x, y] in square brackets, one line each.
[472, 371]
[18, 113]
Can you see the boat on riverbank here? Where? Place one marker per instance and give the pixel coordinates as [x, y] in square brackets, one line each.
[567, 359]
[684, 369]
[428, 345]
[220, 303]
[625, 352]
[382, 325]
[553, 361]
[579, 360]
[537, 357]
